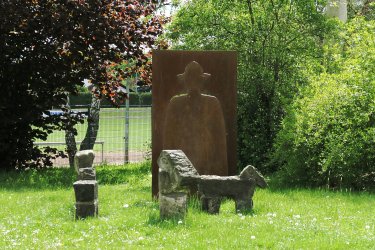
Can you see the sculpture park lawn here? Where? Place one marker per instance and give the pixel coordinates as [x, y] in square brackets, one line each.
[36, 212]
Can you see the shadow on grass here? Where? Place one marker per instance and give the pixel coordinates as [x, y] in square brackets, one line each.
[57, 178]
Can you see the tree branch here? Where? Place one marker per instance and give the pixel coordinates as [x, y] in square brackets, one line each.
[251, 12]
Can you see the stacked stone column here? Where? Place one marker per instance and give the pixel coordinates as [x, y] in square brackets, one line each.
[176, 174]
[86, 187]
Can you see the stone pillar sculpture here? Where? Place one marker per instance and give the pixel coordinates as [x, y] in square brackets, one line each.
[86, 187]
[176, 173]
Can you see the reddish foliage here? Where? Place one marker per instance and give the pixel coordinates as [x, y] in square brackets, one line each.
[47, 47]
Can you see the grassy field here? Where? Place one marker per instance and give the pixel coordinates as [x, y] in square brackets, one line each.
[112, 129]
[37, 213]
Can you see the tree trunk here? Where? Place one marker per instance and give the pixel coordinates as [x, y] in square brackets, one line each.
[71, 146]
[70, 141]
[93, 124]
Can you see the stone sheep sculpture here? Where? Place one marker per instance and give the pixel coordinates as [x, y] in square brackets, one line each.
[177, 175]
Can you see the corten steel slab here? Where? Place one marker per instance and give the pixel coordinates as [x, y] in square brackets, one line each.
[222, 66]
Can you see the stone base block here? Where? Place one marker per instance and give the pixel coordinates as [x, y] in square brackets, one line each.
[173, 205]
[86, 209]
[86, 190]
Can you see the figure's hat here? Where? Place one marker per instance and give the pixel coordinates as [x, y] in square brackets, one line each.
[193, 69]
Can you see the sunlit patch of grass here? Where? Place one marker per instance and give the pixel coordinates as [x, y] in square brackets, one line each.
[40, 216]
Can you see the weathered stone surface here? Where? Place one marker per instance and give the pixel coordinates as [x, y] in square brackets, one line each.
[230, 186]
[86, 190]
[175, 171]
[244, 204]
[211, 204]
[84, 159]
[86, 209]
[173, 205]
[250, 172]
[214, 188]
[86, 174]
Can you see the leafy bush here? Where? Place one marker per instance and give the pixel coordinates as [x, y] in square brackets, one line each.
[328, 134]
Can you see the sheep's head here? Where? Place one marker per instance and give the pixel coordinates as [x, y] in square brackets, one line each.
[250, 172]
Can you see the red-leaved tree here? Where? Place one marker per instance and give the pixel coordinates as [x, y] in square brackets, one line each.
[47, 48]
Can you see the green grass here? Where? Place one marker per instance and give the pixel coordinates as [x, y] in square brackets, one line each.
[37, 213]
[112, 130]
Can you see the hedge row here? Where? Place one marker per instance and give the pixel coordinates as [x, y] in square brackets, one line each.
[136, 99]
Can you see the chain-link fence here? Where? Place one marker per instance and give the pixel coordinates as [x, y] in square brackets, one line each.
[116, 142]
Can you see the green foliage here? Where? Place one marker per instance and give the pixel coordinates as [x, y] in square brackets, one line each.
[328, 134]
[275, 40]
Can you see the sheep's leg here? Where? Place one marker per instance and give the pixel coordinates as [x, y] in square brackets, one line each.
[244, 204]
[211, 204]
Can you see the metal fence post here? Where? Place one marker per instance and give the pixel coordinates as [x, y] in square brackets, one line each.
[126, 156]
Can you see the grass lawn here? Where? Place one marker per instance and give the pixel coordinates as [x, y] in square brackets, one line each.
[112, 129]
[37, 213]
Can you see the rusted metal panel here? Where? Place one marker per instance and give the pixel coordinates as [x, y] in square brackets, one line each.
[222, 66]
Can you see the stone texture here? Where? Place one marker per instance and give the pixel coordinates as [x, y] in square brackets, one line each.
[86, 209]
[86, 191]
[86, 188]
[86, 174]
[215, 188]
[173, 205]
[175, 171]
[250, 172]
[222, 91]
[84, 159]
[210, 204]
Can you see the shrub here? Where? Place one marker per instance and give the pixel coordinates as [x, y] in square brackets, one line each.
[328, 134]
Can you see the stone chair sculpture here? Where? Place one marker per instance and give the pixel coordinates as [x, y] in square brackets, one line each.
[177, 175]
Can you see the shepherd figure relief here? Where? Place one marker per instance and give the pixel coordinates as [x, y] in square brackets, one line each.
[195, 124]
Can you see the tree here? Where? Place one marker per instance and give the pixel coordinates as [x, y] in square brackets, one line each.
[47, 49]
[275, 40]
